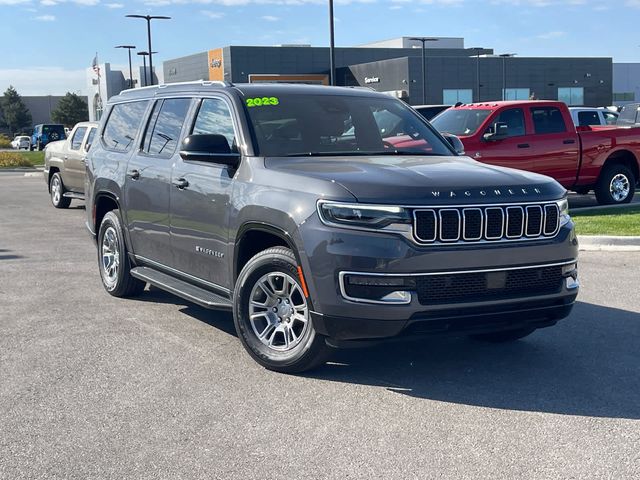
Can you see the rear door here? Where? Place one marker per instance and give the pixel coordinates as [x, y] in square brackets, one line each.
[554, 144]
[74, 160]
[148, 181]
[199, 200]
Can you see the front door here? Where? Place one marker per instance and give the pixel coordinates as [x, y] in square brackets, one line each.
[148, 181]
[74, 160]
[200, 202]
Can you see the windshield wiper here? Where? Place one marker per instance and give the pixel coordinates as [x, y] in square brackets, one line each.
[360, 153]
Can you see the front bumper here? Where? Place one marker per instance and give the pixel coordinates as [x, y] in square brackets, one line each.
[331, 253]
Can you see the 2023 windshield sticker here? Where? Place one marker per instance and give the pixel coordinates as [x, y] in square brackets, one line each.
[262, 101]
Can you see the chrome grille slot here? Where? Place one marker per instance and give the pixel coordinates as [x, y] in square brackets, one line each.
[491, 223]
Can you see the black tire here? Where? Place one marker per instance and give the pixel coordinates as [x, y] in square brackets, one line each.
[504, 336]
[310, 348]
[38, 145]
[56, 192]
[116, 277]
[606, 189]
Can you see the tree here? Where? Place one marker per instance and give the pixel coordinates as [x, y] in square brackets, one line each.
[70, 110]
[15, 114]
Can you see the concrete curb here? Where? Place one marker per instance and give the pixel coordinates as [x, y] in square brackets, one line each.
[579, 210]
[608, 243]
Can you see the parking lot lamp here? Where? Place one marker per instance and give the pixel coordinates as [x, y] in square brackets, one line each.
[144, 56]
[129, 48]
[148, 18]
[504, 72]
[332, 47]
[424, 40]
[478, 50]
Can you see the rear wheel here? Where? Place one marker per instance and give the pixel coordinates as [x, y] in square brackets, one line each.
[616, 185]
[56, 189]
[272, 314]
[505, 336]
[113, 259]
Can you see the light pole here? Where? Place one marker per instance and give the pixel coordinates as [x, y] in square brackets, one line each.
[478, 50]
[144, 56]
[424, 40]
[332, 47]
[148, 18]
[129, 48]
[504, 72]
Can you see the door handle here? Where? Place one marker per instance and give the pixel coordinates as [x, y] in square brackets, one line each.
[570, 141]
[523, 145]
[134, 174]
[181, 183]
[66, 157]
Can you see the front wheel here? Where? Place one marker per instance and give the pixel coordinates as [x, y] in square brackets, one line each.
[616, 185]
[272, 316]
[56, 189]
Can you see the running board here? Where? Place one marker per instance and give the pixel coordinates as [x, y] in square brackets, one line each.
[200, 296]
[77, 196]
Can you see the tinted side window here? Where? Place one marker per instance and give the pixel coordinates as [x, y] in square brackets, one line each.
[548, 120]
[514, 118]
[122, 125]
[588, 118]
[92, 134]
[76, 141]
[214, 117]
[165, 130]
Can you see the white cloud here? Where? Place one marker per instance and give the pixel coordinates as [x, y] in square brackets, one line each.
[211, 14]
[551, 35]
[46, 18]
[114, 5]
[44, 80]
[270, 18]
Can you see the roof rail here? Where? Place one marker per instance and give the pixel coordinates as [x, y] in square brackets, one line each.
[204, 83]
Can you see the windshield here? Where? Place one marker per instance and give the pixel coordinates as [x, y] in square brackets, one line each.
[461, 122]
[59, 129]
[296, 125]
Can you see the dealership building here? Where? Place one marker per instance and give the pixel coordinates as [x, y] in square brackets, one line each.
[452, 72]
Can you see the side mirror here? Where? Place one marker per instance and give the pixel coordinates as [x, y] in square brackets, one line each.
[210, 148]
[500, 132]
[455, 142]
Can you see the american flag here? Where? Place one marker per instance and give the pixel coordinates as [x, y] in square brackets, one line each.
[94, 64]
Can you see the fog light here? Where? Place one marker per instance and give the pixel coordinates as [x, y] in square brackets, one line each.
[570, 272]
[379, 289]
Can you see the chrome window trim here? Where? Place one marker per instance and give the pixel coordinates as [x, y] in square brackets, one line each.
[557, 227]
[526, 228]
[449, 240]
[486, 223]
[506, 230]
[435, 225]
[464, 224]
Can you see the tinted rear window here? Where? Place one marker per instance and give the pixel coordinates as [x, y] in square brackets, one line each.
[548, 120]
[461, 122]
[123, 124]
[588, 118]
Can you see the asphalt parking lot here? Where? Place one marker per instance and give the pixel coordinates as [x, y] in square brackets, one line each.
[97, 387]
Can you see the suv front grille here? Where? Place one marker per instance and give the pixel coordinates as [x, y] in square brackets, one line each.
[488, 286]
[447, 225]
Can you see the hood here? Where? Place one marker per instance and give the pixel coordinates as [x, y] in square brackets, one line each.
[416, 180]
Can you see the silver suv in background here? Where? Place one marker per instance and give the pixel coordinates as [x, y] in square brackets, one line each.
[589, 116]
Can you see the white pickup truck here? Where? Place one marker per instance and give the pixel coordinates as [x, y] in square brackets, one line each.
[586, 116]
[64, 164]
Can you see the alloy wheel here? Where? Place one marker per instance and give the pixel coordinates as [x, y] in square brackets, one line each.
[110, 250]
[619, 187]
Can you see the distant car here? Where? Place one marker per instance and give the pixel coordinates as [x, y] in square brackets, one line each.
[20, 142]
[588, 116]
[64, 164]
[45, 133]
[430, 111]
[629, 115]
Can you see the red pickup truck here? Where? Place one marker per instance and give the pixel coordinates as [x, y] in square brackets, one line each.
[539, 136]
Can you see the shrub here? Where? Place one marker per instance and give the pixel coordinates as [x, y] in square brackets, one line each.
[5, 142]
[11, 159]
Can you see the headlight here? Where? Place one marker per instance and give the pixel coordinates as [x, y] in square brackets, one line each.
[375, 217]
[563, 206]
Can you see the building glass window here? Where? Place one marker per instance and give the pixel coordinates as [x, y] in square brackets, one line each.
[451, 97]
[624, 97]
[572, 96]
[517, 93]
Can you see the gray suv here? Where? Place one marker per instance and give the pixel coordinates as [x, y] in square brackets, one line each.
[321, 217]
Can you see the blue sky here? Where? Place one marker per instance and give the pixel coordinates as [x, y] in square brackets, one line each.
[47, 44]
